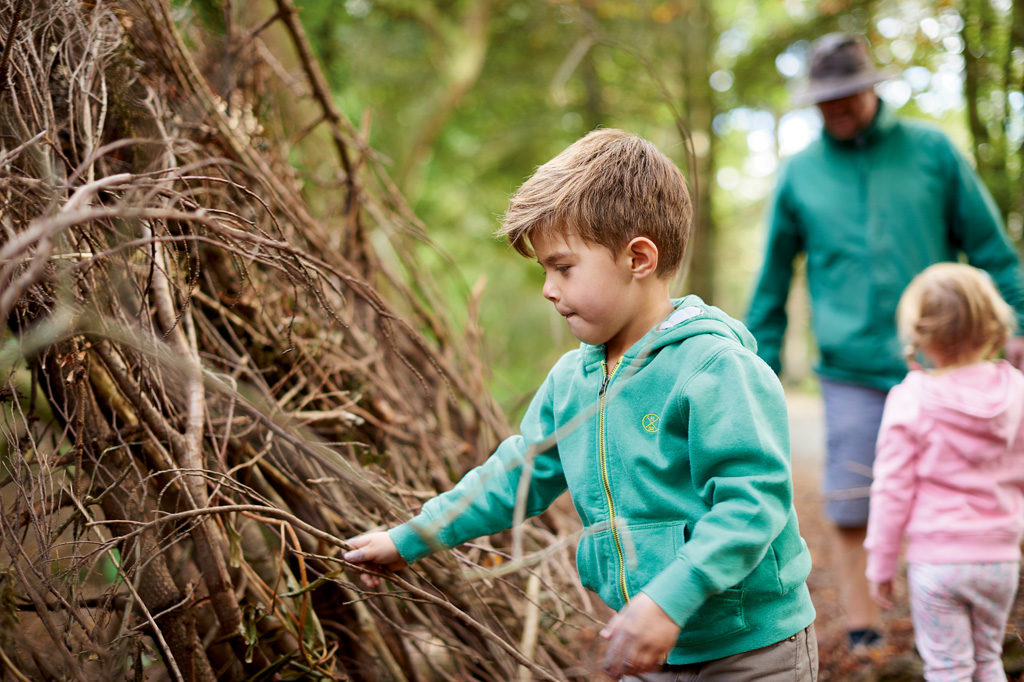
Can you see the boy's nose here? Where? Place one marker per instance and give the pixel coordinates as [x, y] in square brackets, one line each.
[549, 291]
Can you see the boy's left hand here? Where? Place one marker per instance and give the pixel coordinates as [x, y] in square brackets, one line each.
[640, 636]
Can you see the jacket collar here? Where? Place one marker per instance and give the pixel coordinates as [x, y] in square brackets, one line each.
[882, 123]
[691, 316]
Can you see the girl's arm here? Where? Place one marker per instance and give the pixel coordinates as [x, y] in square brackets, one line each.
[895, 483]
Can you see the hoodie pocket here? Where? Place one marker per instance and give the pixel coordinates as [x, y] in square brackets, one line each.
[720, 616]
[648, 549]
[643, 551]
[597, 564]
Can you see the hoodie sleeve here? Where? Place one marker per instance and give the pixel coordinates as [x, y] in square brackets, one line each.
[766, 316]
[894, 486]
[738, 434]
[484, 501]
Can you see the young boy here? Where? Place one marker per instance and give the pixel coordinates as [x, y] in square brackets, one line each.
[668, 431]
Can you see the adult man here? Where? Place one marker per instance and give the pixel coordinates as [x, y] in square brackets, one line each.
[871, 203]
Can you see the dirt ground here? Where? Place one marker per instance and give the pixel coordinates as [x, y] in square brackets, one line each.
[896, 660]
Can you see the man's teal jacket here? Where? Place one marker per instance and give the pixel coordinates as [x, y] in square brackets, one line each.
[870, 214]
[678, 465]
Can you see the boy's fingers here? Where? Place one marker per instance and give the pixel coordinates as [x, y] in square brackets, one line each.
[360, 541]
[618, 660]
[610, 628]
[355, 556]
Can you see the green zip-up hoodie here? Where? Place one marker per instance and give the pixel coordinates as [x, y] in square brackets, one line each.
[678, 465]
[871, 213]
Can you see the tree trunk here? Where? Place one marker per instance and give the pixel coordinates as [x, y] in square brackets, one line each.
[985, 80]
[463, 46]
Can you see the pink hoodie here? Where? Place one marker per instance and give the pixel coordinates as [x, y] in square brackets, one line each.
[949, 473]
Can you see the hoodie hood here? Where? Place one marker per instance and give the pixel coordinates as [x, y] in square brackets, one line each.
[985, 400]
[691, 317]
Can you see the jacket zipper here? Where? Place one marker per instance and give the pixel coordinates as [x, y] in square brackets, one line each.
[605, 481]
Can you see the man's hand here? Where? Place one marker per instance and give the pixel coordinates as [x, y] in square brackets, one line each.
[378, 551]
[640, 636]
[1014, 352]
[881, 593]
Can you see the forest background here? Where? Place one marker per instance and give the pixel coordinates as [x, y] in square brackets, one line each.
[466, 97]
[254, 305]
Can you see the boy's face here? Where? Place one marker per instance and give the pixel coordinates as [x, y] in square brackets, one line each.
[587, 284]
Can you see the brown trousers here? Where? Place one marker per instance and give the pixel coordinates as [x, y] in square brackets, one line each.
[794, 659]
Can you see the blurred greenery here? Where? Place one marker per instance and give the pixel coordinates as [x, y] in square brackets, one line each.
[466, 97]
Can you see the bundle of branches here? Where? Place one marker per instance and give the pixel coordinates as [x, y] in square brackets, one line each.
[212, 376]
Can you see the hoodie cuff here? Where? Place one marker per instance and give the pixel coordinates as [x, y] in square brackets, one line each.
[412, 542]
[881, 566]
[679, 590]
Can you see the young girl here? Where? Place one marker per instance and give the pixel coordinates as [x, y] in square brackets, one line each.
[949, 474]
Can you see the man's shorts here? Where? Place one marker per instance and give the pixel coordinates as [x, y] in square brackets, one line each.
[852, 417]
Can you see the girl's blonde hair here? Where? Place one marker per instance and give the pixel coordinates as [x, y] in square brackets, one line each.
[951, 312]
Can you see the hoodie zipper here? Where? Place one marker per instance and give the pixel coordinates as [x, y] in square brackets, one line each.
[604, 478]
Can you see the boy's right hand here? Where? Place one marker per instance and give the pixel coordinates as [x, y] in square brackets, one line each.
[377, 550]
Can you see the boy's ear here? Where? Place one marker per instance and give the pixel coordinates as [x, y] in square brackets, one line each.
[643, 256]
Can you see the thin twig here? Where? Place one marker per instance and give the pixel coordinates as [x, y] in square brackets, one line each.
[9, 44]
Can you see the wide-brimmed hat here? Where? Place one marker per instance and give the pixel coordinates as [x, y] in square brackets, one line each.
[838, 65]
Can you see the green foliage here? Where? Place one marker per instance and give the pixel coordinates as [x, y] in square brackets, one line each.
[108, 567]
[467, 97]
[209, 12]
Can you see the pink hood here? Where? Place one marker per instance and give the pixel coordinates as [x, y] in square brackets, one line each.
[949, 473]
[982, 404]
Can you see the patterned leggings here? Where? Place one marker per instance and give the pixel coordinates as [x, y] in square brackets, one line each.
[960, 612]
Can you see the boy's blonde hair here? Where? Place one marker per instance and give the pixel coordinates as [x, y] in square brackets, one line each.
[607, 187]
[951, 311]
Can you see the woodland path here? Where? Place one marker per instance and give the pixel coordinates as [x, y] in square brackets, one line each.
[896, 661]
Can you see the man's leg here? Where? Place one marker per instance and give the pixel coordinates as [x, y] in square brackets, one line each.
[850, 559]
[852, 417]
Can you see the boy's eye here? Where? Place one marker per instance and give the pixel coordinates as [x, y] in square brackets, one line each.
[561, 269]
